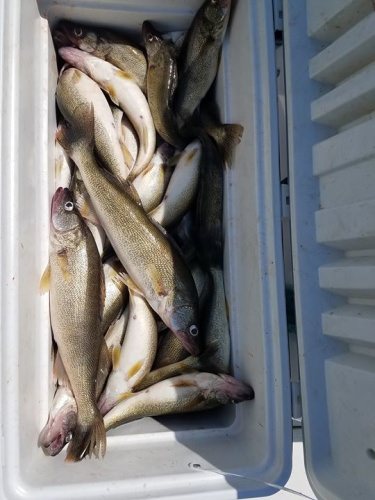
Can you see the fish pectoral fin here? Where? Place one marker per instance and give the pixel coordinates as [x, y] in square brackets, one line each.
[116, 354]
[134, 368]
[157, 281]
[86, 209]
[129, 160]
[227, 137]
[63, 263]
[183, 383]
[110, 89]
[124, 278]
[59, 372]
[45, 280]
[123, 396]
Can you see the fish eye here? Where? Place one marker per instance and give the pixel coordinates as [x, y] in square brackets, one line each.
[69, 206]
[150, 38]
[78, 31]
[193, 330]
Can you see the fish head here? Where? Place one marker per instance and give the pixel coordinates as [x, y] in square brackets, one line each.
[184, 324]
[85, 62]
[216, 13]
[152, 38]
[84, 38]
[64, 216]
[59, 428]
[223, 388]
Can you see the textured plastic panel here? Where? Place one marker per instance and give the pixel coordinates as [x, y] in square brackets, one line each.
[149, 458]
[332, 195]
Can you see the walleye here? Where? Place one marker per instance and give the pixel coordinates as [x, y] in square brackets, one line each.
[153, 263]
[62, 417]
[137, 354]
[182, 187]
[125, 93]
[161, 83]
[105, 45]
[152, 183]
[76, 297]
[200, 56]
[74, 91]
[186, 393]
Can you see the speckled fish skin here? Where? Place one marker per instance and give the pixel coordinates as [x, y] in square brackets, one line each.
[209, 206]
[152, 183]
[161, 84]
[137, 353]
[215, 325]
[75, 89]
[170, 350]
[182, 187]
[149, 257]
[201, 49]
[116, 292]
[107, 45]
[75, 308]
[186, 393]
[125, 93]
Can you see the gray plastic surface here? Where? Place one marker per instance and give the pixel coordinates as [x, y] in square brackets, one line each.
[332, 191]
[149, 458]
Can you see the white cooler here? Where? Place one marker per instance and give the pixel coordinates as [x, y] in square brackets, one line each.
[331, 148]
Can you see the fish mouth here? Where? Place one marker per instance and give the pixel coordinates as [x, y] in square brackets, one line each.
[190, 343]
[57, 432]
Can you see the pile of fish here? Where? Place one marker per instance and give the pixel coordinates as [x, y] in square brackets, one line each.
[137, 302]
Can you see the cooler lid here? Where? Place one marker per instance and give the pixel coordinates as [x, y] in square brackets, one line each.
[330, 91]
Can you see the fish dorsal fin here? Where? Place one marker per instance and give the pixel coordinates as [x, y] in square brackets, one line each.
[116, 353]
[86, 209]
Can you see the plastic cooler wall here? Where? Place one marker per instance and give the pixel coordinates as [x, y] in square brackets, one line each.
[149, 458]
[330, 68]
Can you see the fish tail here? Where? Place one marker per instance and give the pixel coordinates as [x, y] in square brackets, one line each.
[88, 438]
[227, 137]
